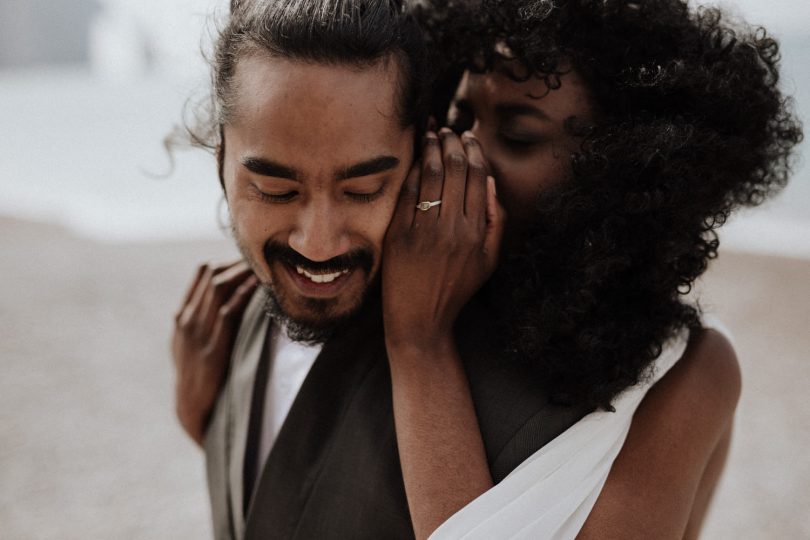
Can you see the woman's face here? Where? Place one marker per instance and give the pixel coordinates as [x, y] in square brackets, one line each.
[522, 128]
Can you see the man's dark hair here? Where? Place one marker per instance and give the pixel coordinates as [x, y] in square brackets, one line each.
[357, 33]
[353, 32]
[690, 124]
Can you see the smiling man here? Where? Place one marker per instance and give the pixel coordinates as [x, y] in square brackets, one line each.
[314, 160]
[317, 107]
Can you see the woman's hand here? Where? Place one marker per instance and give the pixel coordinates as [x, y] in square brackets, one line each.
[205, 328]
[433, 263]
[435, 260]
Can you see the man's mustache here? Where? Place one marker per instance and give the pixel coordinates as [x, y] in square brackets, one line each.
[359, 258]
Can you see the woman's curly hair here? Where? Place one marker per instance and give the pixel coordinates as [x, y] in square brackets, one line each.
[690, 124]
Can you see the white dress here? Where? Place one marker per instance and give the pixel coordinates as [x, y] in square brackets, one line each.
[550, 495]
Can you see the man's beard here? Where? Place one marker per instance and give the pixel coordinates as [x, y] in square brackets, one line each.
[309, 332]
[323, 320]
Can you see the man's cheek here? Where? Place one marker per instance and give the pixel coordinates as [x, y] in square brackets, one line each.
[381, 224]
[252, 221]
[250, 240]
[391, 206]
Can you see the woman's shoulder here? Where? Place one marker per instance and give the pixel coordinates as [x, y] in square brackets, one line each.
[709, 369]
[698, 396]
[699, 365]
[676, 430]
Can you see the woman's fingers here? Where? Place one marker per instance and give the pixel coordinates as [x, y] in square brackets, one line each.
[213, 285]
[454, 158]
[192, 309]
[432, 178]
[496, 219]
[221, 287]
[195, 283]
[229, 315]
[475, 202]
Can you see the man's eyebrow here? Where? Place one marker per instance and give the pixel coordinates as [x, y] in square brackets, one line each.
[372, 166]
[521, 109]
[266, 167]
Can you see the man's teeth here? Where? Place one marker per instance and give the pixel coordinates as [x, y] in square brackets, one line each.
[321, 278]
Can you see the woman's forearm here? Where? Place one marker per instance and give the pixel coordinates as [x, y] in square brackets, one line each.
[444, 463]
[433, 264]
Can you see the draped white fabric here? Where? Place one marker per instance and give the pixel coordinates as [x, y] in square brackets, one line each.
[550, 495]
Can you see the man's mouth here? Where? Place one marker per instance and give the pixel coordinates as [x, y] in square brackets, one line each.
[326, 283]
[318, 277]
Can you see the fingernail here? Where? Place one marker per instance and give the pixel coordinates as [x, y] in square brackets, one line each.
[445, 131]
[431, 135]
[491, 180]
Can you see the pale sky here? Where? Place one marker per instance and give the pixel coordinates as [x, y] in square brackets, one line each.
[176, 25]
[781, 17]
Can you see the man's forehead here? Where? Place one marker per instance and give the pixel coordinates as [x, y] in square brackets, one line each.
[265, 83]
[316, 116]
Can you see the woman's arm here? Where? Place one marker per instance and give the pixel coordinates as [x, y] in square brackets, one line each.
[434, 262]
[444, 463]
[205, 327]
[662, 481]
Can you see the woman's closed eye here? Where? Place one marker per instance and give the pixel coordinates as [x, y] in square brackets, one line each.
[518, 140]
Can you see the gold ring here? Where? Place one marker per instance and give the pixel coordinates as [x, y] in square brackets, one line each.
[424, 206]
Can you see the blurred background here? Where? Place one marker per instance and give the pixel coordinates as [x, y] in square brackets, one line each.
[100, 234]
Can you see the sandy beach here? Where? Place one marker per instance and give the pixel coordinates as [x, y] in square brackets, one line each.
[90, 449]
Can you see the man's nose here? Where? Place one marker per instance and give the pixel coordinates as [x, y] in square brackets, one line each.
[320, 233]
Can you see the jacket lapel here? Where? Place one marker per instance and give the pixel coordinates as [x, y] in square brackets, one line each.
[310, 430]
[247, 353]
[216, 465]
[226, 435]
[511, 401]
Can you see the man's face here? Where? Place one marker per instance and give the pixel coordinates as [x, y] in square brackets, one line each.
[314, 159]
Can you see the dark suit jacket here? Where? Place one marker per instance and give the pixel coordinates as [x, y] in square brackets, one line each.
[334, 471]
